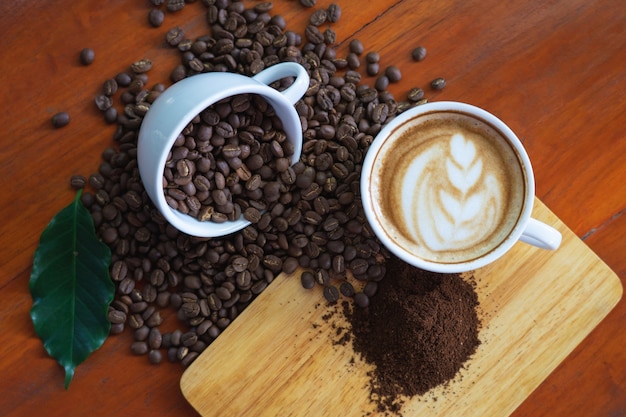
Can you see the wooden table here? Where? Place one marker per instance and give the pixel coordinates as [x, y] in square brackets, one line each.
[554, 70]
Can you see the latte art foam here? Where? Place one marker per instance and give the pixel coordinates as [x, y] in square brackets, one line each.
[454, 188]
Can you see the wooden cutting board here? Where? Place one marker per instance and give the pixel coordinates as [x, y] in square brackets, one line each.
[280, 356]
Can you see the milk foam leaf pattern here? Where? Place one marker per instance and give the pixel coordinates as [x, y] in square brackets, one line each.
[71, 288]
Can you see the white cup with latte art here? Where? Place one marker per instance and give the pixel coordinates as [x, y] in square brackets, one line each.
[448, 187]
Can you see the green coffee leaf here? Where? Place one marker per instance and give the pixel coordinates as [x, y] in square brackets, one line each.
[71, 288]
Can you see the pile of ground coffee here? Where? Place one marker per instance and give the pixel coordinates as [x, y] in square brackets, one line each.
[418, 332]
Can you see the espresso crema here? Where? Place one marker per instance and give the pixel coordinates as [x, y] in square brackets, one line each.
[450, 187]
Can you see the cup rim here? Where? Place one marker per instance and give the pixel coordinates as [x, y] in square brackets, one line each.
[373, 216]
[164, 135]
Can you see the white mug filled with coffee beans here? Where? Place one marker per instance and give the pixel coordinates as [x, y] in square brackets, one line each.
[216, 149]
[448, 187]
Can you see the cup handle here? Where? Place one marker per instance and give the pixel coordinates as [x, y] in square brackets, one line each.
[286, 69]
[541, 235]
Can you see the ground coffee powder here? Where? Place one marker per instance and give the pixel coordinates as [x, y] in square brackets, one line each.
[418, 332]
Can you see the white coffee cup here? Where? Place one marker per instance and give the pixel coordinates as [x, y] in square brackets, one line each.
[448, 187]
[181, 102]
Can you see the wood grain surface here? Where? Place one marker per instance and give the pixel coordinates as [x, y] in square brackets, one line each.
[553, 70]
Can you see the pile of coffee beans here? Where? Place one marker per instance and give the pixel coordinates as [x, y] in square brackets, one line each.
[232, 158]
[315, 221]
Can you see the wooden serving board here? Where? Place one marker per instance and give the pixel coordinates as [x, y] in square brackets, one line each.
[279, 358]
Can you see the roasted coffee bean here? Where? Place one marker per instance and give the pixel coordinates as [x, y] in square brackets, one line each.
[123, 79]
[415, 94]
[372, 68]
[116, 316]
[109, 87]
[361, 299]
[78, 181]
[438, 83]
[156, 17]
[117, 328]
[141, 66]
[139, 348]
[322, 276]
[418, 53]
[174, 36]
[346, 289]
[393, 73]
[126, 286]
[307, 279]
[359, 266]
[154, 319]
[87, 56]
[356, 46]
[319, 17]
[258, 287]
[330, 38]
[333, 12]
[141, 334]
[155, 356]
[380, 112]
[273, 262]
[382, 82]
[60, 119]
[331, 293]
[308, 3]
[138, 307]
[188, 358]
[103, 102]
[189, 338]
[372, 57]
[290, 265]
[314, 35]
[339, 264]
[353, 61]
[174, 5]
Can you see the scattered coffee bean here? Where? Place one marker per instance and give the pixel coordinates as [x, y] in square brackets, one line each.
[353, 61]
[308, 3]
[361, 299]
[103, 102]
[174, 36]
[60, 119]
[372, 57]
[78, 181]
[156, 17]
[331, 293]
[87, 56]
[141, 66]
[174, 5]
[123, 79]
[110, 87]
[110, 115]
[438, 83]
[308, 280]
[346, 289]
[155, 356]
[382, 82]
[139, 348]
[415, 94]
[419, 53]
[356, 46]
[333, 12]
[393, 73]
[372, 68]
[318, 18]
